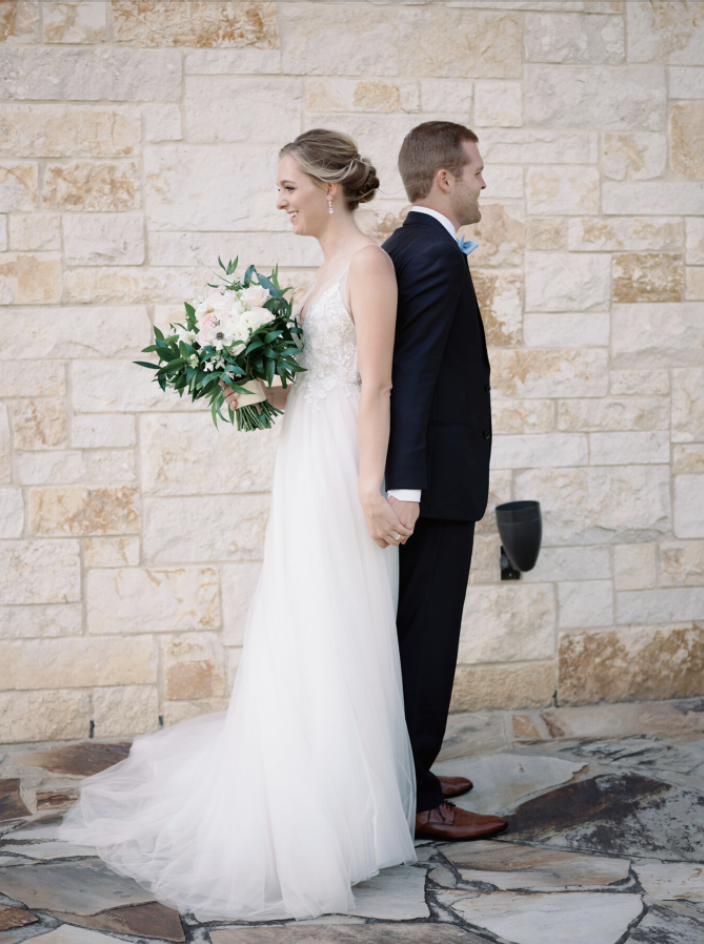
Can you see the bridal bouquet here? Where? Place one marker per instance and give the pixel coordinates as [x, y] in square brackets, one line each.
[242, 333]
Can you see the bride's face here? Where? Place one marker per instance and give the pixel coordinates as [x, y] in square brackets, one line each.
[302, 197]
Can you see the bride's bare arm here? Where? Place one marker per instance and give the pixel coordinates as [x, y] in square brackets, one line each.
[373, 295]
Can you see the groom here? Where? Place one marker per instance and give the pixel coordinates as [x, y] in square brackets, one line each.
[437, 469]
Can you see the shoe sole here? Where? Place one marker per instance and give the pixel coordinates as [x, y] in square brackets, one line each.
[451, 796]
[435, 837]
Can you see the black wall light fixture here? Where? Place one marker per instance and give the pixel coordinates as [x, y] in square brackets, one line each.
[521, 532]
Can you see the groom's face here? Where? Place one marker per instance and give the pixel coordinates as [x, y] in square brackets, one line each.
[464, 195]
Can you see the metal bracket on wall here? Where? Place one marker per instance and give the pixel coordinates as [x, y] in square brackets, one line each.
[508, 571]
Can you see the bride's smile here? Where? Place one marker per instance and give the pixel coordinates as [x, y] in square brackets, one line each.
[302, 198]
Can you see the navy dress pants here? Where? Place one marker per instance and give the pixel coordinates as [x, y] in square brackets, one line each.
[434, 570]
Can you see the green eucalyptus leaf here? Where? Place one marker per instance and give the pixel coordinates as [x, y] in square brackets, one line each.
[268, 285]
[248, 276]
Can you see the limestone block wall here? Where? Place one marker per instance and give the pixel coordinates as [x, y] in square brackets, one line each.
[139, 139]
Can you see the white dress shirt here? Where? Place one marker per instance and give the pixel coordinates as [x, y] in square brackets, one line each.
[413, 494]
[440, 217]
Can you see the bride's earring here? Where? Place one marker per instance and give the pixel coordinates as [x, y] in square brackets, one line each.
[330, 209]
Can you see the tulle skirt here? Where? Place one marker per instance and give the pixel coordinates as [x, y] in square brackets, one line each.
[306, 785]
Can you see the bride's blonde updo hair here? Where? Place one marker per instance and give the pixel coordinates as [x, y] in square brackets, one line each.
[332, 158]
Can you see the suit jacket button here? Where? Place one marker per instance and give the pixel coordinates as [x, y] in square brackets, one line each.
[486, 434]
[487, 388]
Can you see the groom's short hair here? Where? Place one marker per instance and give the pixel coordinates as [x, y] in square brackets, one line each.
[428, 148]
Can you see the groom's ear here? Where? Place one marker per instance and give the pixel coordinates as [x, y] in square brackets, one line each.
[442, 180]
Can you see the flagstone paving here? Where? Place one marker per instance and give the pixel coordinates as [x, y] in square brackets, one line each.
[605, 844]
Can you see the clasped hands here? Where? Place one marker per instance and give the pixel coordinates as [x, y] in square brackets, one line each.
[390, 521]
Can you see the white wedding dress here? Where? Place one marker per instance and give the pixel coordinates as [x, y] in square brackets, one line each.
[306, 785]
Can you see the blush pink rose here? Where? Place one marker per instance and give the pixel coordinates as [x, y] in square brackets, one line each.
[254, 296]
[208, 321]
[206, 335]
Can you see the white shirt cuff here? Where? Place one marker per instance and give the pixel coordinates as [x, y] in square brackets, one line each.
[405, 494]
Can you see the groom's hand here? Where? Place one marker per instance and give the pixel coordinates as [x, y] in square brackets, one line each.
[407, 513]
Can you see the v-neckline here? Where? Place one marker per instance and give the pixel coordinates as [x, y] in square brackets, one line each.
[311, 297]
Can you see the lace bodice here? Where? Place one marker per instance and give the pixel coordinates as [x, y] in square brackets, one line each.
[330, 346]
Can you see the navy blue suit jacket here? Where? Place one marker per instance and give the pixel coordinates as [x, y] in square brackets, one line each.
[440, 406]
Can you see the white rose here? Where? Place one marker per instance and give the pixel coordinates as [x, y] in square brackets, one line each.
[248, 322]
[254, 296]
[263, 316]
[229, 319]
[212, 303]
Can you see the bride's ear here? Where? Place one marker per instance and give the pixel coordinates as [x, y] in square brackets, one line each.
[331, 191]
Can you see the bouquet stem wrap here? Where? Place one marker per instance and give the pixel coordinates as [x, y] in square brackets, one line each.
[255, 394]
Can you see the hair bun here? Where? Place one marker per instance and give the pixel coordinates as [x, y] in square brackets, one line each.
[369, 181]
[332, 157]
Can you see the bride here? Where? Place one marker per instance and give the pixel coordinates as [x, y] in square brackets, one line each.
[306, 785]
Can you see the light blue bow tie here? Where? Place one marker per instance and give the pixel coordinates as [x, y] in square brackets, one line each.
[466, 245]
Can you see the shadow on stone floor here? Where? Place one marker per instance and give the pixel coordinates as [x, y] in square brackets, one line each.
[605, 844]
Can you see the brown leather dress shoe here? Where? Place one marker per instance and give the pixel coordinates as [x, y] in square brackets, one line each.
[454, 786]
[448, 821]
